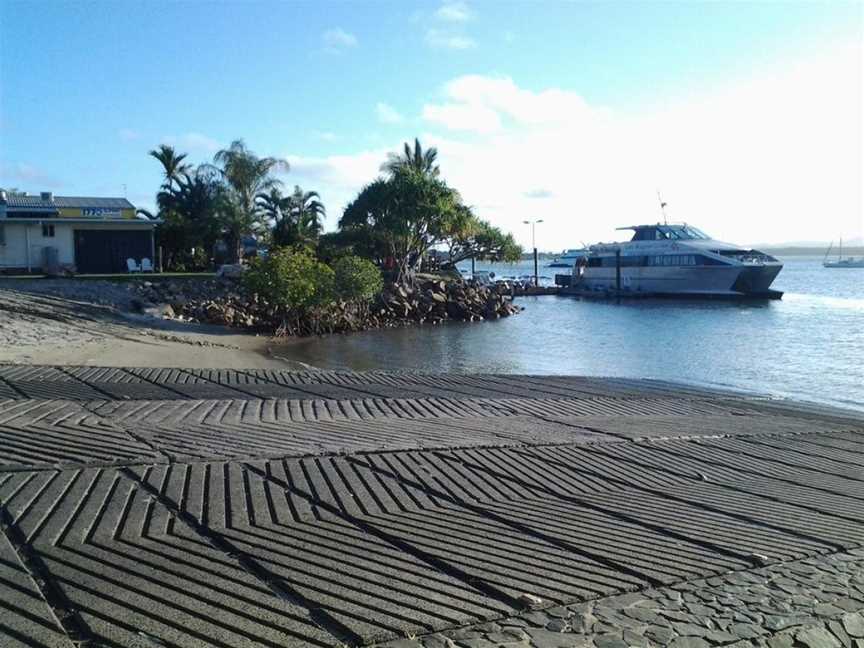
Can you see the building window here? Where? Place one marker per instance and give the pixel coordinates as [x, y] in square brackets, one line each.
[2, 234]
[47, 230]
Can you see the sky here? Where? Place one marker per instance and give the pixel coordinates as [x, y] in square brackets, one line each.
[746, 117]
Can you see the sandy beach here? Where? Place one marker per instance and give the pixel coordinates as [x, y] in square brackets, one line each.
[58, 323]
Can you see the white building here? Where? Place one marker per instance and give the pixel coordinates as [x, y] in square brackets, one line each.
[87, 235]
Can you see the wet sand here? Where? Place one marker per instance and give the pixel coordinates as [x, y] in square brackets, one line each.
[44, 329]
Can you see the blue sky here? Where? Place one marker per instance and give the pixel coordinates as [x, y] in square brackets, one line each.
[574, 112]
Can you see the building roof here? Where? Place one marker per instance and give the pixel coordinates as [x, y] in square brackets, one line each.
[71, 202]
[85, 220]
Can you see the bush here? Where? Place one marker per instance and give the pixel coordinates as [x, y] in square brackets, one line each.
[357, 279]
[291, 279]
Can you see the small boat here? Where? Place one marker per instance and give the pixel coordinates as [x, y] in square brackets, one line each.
[848, 262]
[568, 258]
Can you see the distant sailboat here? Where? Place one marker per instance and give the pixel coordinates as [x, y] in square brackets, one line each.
[848, 262]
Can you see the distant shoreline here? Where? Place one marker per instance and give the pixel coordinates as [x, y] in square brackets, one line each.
[811, 251]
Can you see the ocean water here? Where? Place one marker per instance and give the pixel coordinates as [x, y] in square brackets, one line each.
[809, 345]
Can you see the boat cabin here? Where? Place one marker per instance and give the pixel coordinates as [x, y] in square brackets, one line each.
[659, 232]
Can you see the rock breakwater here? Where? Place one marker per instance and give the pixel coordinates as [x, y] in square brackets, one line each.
[227, 302]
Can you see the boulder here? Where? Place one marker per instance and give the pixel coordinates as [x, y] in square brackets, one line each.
[164, 311]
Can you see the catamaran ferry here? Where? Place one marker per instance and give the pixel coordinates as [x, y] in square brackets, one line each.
[675, 259]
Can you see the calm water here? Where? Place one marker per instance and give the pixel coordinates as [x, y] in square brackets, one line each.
[809, 345]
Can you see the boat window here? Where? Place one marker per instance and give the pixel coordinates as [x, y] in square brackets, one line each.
[681, 232]
[646, 234]
[668, 232]
[695, 232]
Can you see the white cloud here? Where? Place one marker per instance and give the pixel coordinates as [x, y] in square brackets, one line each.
[445, 27]
[20, 173]
[337, 39]
[463, 116]
[337, 178]
[457, 12]
[772, 157]
[447, 40]
[128, 134]
[192, 143]
[501, 96]
[387, 114]
[326, 136]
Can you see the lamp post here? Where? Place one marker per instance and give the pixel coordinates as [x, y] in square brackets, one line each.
[533, 224]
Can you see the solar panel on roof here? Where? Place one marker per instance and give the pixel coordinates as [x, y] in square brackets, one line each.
[68, 202]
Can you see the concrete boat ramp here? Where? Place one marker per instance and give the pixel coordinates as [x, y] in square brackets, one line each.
[183, 507]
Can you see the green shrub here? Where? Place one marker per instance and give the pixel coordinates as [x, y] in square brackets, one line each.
[291, 279]
[356, 278]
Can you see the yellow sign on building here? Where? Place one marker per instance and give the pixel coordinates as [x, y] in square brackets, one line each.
[95, 212]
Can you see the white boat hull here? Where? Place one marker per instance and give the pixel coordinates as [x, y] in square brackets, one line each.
[684, 280]
[844, 264]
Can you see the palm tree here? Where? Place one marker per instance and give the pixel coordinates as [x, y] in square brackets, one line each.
[297, 218]
[246, 176]
[417, 160]
[307, 212]
[272, 204]
[191, 212]
[172, 163]
[276, 209]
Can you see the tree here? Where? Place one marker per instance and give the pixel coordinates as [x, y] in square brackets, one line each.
[357, 279]
[307, 212]
[419, 160]
[347, 242]
[275, 214]
[172, 163]
[246, 176]
[481, 240]
[271, 204]
[361, 228]
[191, 214]
[293, 281]
[296, 218]
[403, 216]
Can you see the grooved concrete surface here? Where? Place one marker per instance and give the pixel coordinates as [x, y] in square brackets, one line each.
[175, 507]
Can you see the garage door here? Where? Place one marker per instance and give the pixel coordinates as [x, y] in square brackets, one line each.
[106, 251]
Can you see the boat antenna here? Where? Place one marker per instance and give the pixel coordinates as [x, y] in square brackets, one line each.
[662, 207]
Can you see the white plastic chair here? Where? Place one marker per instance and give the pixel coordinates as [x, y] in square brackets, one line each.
[132, 266]
[146, 265]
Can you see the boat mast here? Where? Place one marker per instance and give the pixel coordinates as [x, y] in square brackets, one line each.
[662, 207]
[828, 251]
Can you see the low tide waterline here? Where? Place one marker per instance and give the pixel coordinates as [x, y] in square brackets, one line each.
[809, 345]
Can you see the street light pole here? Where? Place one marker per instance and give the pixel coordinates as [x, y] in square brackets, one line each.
[533, 225]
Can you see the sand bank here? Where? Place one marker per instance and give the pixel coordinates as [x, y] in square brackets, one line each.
[40, 328]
